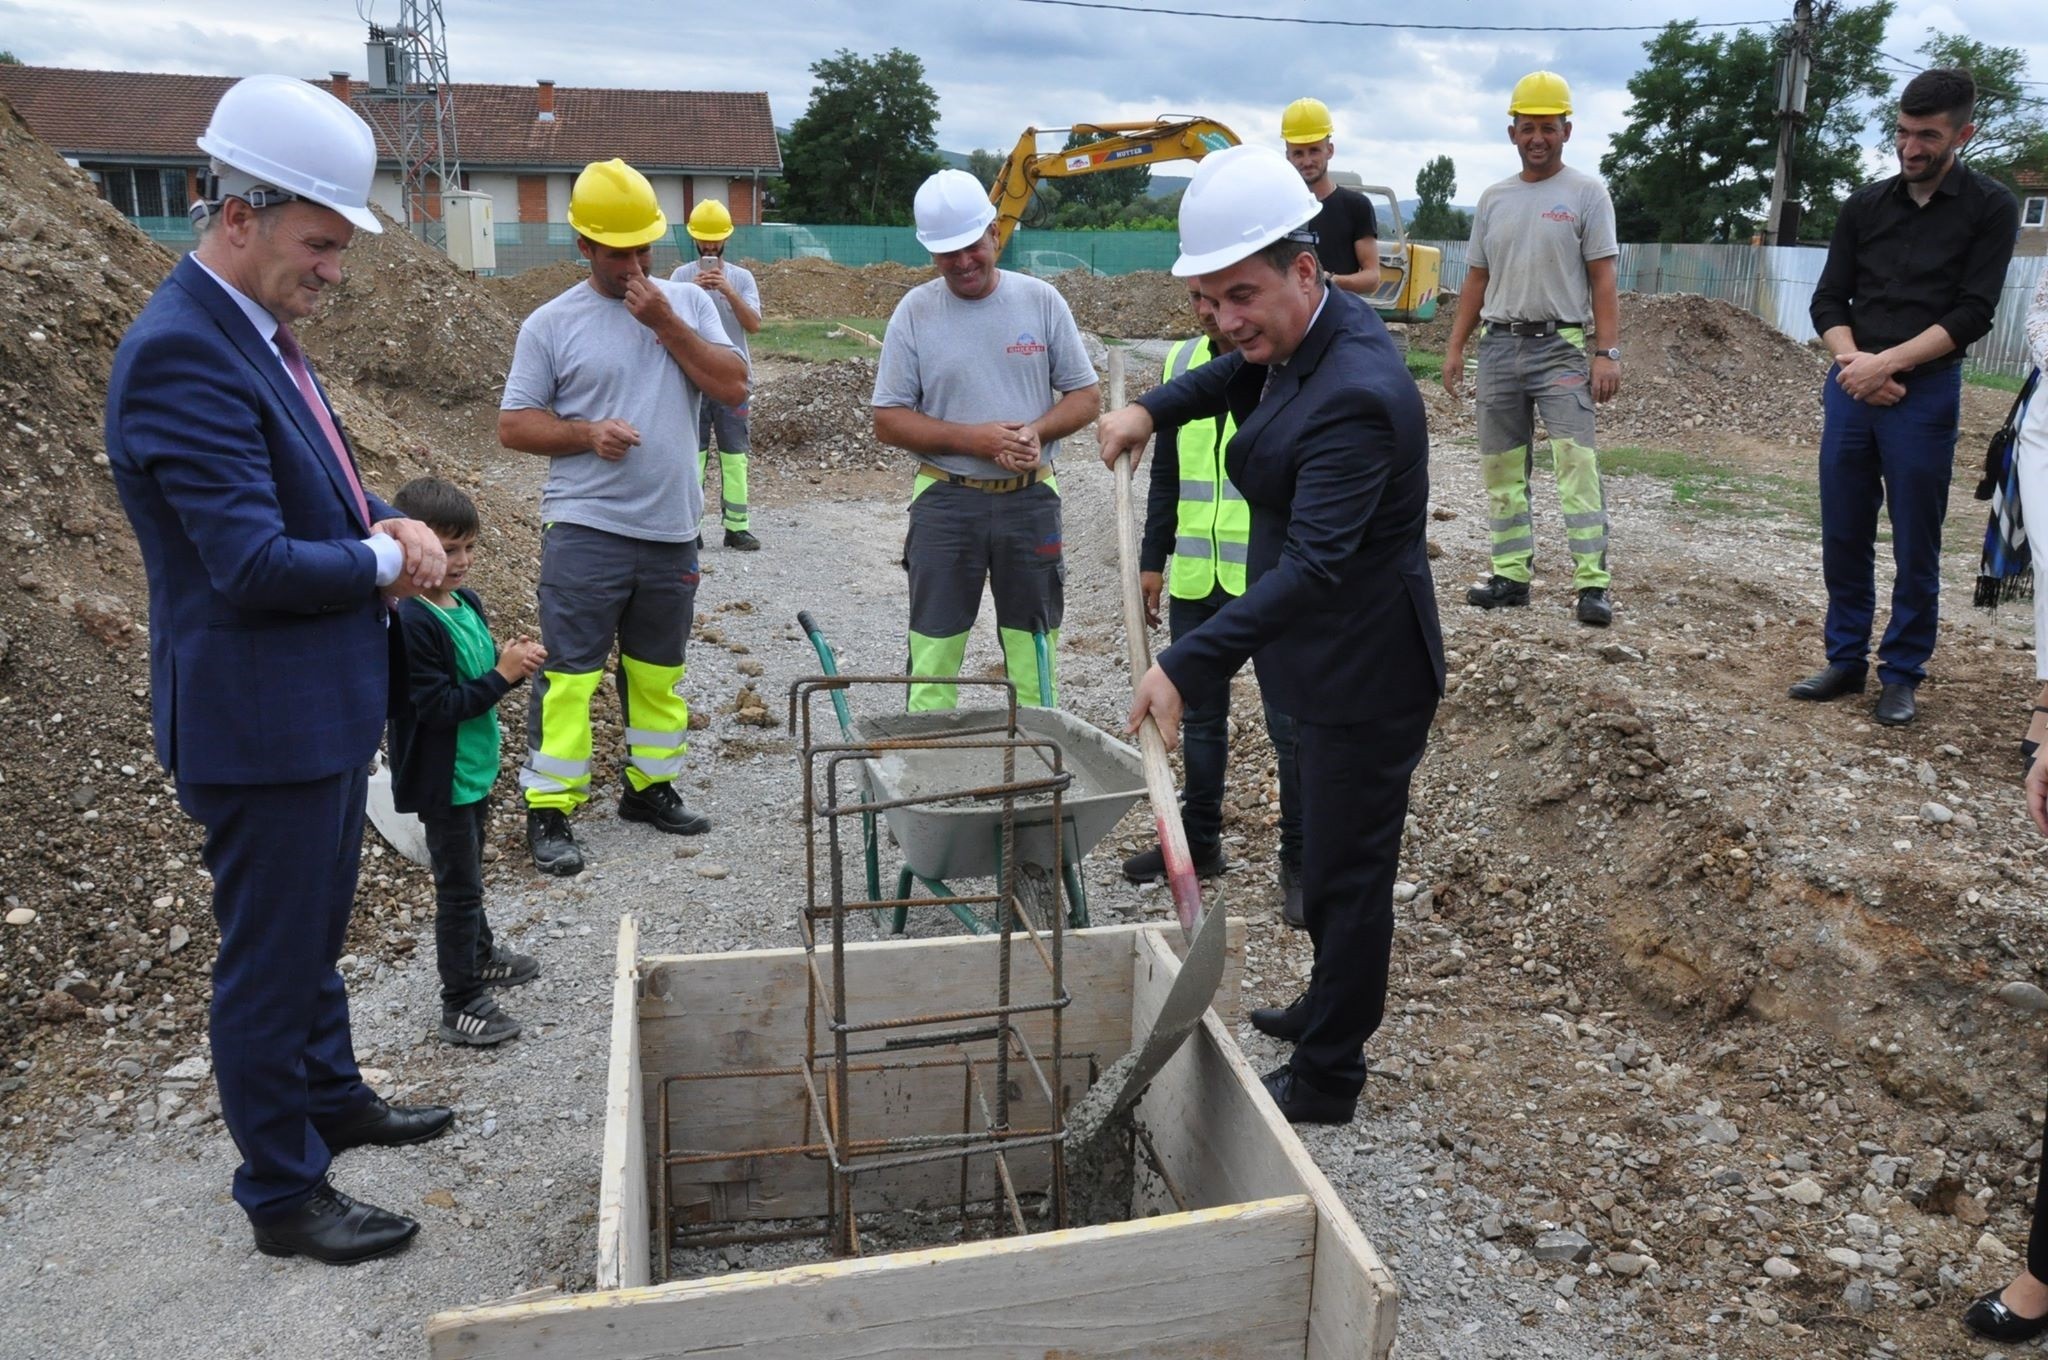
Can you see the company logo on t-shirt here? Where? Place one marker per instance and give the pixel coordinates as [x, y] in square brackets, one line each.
[1026, 344]
[1560, 213]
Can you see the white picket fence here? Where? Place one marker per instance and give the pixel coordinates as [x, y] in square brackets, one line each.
[1776, 283]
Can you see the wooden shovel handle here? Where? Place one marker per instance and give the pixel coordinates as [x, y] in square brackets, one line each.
[1173, 839]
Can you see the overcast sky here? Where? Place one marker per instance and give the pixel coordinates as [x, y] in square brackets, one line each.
[1400, 97]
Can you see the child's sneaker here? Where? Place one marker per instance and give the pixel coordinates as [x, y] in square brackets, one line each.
[507, 969]
[480, 1023]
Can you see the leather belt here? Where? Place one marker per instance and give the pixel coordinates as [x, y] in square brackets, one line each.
[993, 485]
[1532, 327]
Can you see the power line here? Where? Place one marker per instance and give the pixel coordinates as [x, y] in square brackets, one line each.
[1391, 24]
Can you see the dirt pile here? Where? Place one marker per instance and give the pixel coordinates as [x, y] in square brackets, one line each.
[1694, 369]
[810, 289]
[102, 873]
[520, 293]
[816, 416]
[404, 317]
[100, 868]
[1148, 305]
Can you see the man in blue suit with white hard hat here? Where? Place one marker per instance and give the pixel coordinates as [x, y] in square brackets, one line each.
[1339, 612]
[271, 570]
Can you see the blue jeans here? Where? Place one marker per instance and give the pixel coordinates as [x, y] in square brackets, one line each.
[1205, 748]
[1902, 457]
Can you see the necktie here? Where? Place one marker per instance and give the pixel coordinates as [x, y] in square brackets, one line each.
[1272, 372]
[295, 364]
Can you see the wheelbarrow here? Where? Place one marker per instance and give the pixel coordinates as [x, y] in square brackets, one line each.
[963, 837]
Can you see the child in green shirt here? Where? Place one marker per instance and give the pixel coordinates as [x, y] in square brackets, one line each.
[444, 760]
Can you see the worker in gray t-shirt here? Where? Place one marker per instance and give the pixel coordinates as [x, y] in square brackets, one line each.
[1540, 266]
[605, 383]
[982, 373]
[733, 292]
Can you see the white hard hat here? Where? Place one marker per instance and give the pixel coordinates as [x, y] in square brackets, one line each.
[952, 211]
[293, 140]
[1241, 200]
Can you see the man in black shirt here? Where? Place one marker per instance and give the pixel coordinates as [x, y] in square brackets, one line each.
[1346, 231]
[1912, 279]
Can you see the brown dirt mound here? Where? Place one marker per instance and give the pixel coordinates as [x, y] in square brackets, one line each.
[100, 852]
[405, 317]
[808, 289]
[1693, 368]
[520, 293]
[817, 415]
[1148, 305]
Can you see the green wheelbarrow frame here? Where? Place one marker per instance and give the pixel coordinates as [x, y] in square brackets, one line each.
[1070, 849]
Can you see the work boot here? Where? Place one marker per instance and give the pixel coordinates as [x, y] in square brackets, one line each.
[507, 969]
[554, 848]
[1595, 610]
[1290, 896]
[1148, 865]
[662, 807]
[1499, 593]
[739, 540]
[480, 1024]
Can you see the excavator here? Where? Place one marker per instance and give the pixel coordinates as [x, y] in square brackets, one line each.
[1410, 275]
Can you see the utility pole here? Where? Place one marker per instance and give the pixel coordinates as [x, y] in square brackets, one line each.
[1794, 66]
[410, 99]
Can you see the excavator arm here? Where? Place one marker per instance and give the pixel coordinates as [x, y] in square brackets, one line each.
[1118, 146]
[1409, 274]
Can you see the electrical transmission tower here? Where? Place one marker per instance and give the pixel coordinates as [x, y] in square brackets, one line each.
[411, 101]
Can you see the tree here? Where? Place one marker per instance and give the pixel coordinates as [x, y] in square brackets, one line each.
[9, 59]
[2012, 122]
[1106, 191]
[1695, 161]
[985, 166]
[865, 143]
[1435, 218]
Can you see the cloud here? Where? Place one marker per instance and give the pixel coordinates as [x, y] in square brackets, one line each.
[1400, 97]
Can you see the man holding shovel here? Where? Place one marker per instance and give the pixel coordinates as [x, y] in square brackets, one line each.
[1339, 611]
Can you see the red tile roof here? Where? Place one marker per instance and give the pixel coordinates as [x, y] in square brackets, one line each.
[135, 113]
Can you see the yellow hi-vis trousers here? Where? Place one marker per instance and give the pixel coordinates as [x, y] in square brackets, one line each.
[595, 588]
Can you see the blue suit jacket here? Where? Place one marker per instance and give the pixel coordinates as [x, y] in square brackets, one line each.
[269, 650]
[1339, 614]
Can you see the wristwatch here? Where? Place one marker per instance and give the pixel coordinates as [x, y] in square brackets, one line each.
[1614, 354]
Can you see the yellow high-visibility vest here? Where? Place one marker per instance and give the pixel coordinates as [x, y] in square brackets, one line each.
[1213, 528]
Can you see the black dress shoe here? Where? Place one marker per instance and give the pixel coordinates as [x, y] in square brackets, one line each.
[1302, 1103]
[333, 1228]
[1989, 1317]
[660, 805]
[1290, 896]
[1831, 683]
[1287, 1022]
[387, 1125]
[1895, 706]
[1147, 865]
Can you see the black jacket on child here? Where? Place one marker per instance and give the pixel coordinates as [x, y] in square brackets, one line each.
[436, 701]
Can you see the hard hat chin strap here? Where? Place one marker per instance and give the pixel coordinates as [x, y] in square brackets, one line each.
[224, 182]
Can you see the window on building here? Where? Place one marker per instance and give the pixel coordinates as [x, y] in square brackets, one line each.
[2035, 213]
[146, 191]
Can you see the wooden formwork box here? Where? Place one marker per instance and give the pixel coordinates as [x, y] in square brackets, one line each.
[1266, 1262]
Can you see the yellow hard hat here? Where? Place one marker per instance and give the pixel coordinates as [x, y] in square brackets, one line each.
[709, 221]
[614, 205]
[1306, 120]
[1541, 92]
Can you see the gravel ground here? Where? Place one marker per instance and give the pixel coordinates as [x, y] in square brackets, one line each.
[508, 1200]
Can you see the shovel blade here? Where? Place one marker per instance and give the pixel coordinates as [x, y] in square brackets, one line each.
[1194, 987]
